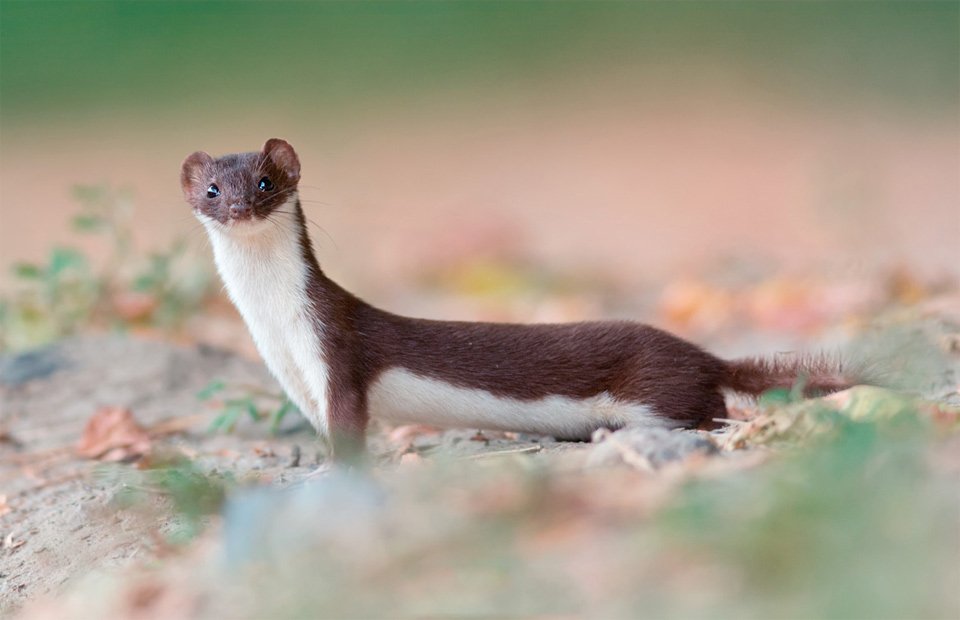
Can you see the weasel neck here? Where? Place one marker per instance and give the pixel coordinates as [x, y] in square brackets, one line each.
[288, 304]
[271, 260]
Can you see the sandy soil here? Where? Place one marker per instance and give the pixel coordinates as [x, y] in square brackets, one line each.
[62, 520]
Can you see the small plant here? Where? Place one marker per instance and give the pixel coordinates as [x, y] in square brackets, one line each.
[57, 297]
[233, 409]
[853, 523]
[194, 494]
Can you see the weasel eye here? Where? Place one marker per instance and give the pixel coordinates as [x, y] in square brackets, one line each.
[265, 184]
[213, 191]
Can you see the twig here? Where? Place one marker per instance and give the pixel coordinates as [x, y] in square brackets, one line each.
[523, 450]
[730, 421]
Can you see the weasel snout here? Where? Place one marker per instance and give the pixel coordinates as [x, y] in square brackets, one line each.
[240, 211]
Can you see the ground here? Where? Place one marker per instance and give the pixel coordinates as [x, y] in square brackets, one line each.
[68, 516]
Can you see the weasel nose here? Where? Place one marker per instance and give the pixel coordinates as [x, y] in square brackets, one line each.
[240, 211]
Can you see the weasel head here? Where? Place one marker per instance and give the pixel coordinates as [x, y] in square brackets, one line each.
[240, 191]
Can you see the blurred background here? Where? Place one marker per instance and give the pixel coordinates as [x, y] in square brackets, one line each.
[499, 147]
[758, 177]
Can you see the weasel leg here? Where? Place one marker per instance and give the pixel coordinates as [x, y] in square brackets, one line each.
[347, 419]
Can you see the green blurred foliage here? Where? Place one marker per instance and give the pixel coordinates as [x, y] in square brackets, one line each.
[56, 297]
[193, 494]
[850, 527]
[249, 403]
[66, 58]
[66, 293]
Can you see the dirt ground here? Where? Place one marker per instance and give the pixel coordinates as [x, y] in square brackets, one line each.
[61, 518]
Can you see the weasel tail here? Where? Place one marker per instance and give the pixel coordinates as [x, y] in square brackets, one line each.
[814, 375]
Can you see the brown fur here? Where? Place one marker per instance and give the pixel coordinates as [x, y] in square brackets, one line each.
[814, 374]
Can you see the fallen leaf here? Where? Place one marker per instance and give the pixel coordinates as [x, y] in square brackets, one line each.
[407, 433]
[411, 458]
[9, 543]
[905, 287]
[112, 434]
[133, 305]
[691, 304]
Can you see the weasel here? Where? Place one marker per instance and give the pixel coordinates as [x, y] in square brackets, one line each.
[341, 360]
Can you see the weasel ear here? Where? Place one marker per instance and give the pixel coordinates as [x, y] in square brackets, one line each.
[283, 155]
[191, 170]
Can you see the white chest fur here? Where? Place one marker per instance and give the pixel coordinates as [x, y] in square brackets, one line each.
[265, 275]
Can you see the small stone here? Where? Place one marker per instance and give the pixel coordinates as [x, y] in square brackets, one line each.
[654, 446]
[24, 367]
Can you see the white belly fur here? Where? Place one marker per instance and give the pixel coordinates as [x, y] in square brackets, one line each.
[265, 276]
[401, 396]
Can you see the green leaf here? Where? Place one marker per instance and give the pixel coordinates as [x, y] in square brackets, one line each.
[159, 262]
[62, 259]
[211, 389]
[144, 283]
[27, 271]
[89, 193]
[252, 410]
[776, 396]
[87, 223]
[218, 423]
[279, 414]
[227, 420]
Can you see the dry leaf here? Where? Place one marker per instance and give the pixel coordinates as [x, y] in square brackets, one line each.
[133, 305]
[406, 434]
[411, 458]
[9, 543]
[112, 434]
[905, 287]
[691, 304]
